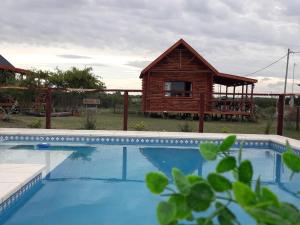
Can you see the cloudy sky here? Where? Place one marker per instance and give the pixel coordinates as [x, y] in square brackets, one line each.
[120, 37]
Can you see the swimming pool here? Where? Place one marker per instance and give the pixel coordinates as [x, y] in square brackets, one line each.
[92, 183]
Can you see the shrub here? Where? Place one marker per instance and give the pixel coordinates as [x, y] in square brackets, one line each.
[35, 124]
[140, 126]
[185, 127]
[90, 122]
[214, 194]
[225, 130]
[268, 126]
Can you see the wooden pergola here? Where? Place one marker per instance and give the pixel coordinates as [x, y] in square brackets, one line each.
[233, 103]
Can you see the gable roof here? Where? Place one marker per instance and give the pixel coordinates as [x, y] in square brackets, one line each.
[219, 76]
[169, 50]
[6, 65]
[5, 62]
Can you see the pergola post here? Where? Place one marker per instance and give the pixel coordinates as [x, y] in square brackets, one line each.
[233, 92]
[48, 108]
[251, 97]
[125, 110]
[233, 98]
[280, 114]
[242, 99]
[201, 112]
[298, 117]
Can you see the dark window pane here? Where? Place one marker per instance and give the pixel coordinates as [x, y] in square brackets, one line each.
[178, 88]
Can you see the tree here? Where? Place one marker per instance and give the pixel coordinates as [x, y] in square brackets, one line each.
[75, 78]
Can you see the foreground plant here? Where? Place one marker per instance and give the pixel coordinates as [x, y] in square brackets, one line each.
[214, 194]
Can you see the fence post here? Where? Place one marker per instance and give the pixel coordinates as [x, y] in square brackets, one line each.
[125, 110]
[201, 112]
[280, 113]
[48, 108]
[298, 117]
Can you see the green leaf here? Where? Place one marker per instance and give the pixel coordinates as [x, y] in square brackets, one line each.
[218, 182]
[243, 194]
[181, 181]
[224, 221]
[200, 197]
[166, 213]
[204, 221]
[227, 143]
[265, 216]
[190, 217]
[226, 164]
[182, 209]
[225, 212]
[257, 186]
[268, 195]
[245, 172]
[289, 211]
[209, 151]
[240, 152]
[194, 178]
[156, 182]
[292, 161]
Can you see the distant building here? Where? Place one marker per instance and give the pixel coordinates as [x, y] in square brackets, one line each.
[7, 70]
[174, 81]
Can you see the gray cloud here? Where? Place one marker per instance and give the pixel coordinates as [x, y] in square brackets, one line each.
[235, 36]
[74, 56]
[138, 64]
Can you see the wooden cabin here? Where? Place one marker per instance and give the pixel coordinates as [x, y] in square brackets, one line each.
[174, 81]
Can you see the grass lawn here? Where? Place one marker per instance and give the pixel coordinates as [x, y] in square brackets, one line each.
[106, 120]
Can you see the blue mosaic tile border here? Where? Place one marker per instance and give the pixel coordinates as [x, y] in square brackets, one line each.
[129, 140]
[12, 200]
[135, 140]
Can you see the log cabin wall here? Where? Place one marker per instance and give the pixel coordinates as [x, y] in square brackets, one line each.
[179, 65]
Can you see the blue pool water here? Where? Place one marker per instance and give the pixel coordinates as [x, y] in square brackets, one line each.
[104, 184]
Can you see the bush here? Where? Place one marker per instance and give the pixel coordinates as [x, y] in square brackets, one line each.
[185, 127]
[140, 126]
[268, 126]
[190, 195]
[90, 122]
[225, 130]
[35, 124]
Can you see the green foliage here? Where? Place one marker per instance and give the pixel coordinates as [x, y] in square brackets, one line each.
[185, 127]
[200, 196]
[245, 172]
[214, 194]
[225, 130]
[291, 159]
[75, 78]
[166, 212]
[90, 122]
[243, 194]
[209, 151]
[156, 182]
[71, 78]
[218, 182]
[226, 164]
[181, 181]
[35, 124]
[227, 143]
[140, 126]
[268, 126]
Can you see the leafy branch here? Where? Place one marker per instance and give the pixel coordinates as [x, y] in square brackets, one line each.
[196, 194]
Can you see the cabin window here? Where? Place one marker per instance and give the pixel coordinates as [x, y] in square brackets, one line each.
[178, 89]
